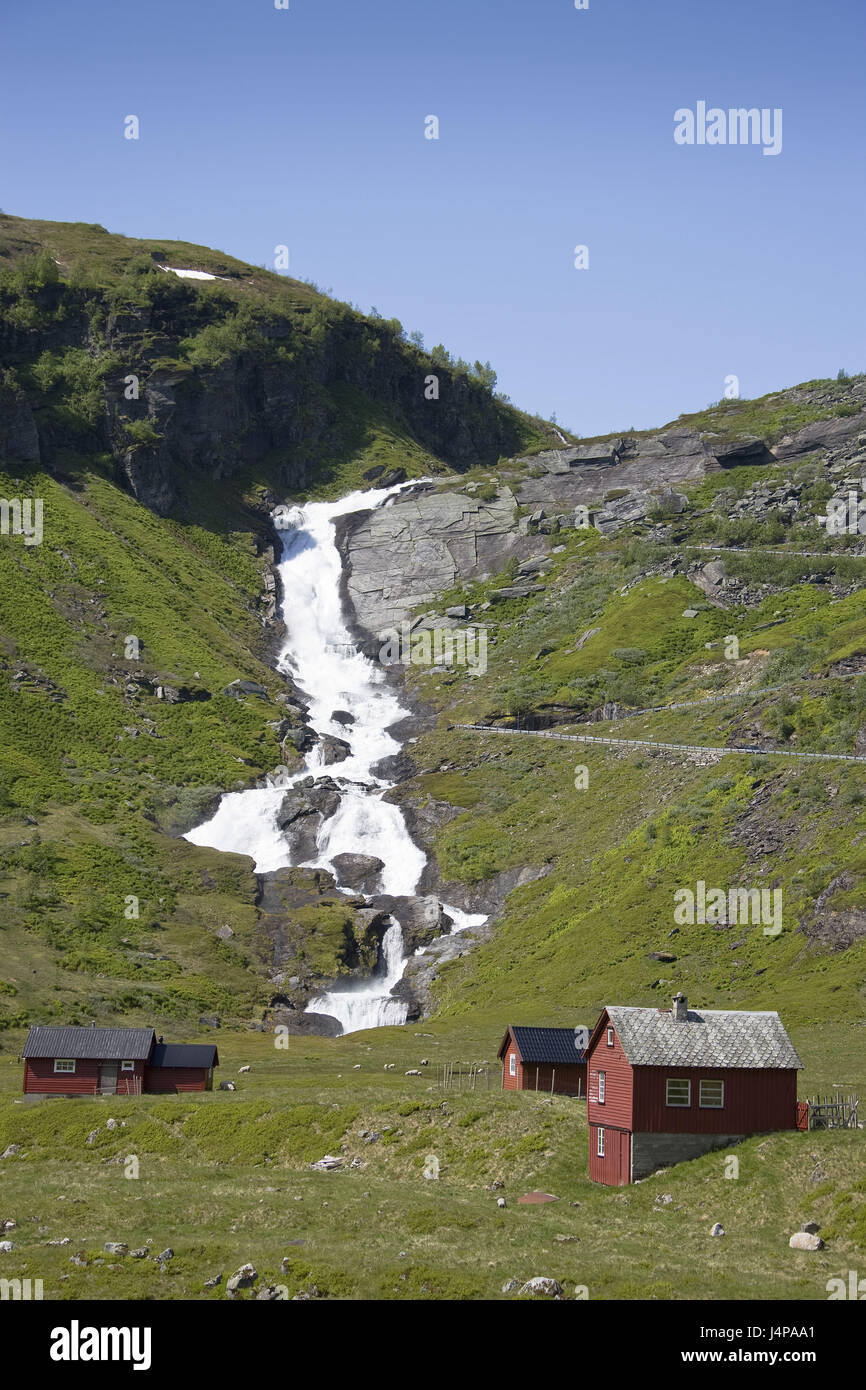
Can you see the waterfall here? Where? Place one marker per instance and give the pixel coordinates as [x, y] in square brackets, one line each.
[323, 660]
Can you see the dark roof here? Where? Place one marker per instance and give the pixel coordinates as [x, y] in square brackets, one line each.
[544, 1044]
[184, 1055]
[706, 1038]
[98, 1044]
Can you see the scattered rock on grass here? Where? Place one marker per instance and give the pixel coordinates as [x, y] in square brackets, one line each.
[243, 1278]
[541, 1285]
[805, 1240]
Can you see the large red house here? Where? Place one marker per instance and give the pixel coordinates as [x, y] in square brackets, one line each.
[60, 1061]
[666, 1085]
[544, 1059]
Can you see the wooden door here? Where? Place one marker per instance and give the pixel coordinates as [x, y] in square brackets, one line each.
[108, 1078]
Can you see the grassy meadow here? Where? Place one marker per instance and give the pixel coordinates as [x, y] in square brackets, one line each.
[224, 1178]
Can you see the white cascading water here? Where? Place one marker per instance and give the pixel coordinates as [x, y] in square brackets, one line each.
[321, 656]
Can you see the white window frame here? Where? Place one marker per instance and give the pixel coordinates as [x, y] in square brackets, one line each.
[610, 1037]
[127, 1066]
[602, 1087]
[64, 1066]
[512, 1064]
[710, 1104]
[678, 1104]
[599, 1147]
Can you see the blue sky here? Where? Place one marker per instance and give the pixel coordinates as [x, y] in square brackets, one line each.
[306, 127]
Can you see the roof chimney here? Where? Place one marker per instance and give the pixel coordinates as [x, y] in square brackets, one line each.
[681, 1008]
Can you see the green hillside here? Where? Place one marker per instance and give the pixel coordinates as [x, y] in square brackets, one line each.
[151, 576]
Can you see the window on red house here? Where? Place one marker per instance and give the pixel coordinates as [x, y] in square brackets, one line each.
[600, 1145]
[610, 1037]
[601, 1083]
[512, 1064]
[678, 1092]
[711, 1095]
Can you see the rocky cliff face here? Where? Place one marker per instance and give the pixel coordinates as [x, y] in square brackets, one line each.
[279, 396]
[412, 551]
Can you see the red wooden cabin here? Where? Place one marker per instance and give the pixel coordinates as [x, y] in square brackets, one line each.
[669, 1084]
[60, 1061]
[544, 1059]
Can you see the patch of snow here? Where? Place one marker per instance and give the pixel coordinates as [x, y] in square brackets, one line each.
[192, 274]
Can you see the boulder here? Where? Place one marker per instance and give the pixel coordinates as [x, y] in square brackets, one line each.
[239, 688]
[334, 750]
[717, 1230]
[806, 1240]
[511, 591]
[243, 1278]
[115, 1247]
[511, 1286]
[541, 1285]
[342, 716]
[301, 814]
[360, 872]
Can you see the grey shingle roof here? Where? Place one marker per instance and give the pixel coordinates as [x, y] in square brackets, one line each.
[709, 1038]
[99, 1044]
[545, 1045]
[184, 1055]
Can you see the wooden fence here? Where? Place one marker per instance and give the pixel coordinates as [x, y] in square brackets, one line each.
[832, 1112]
[462, 1076]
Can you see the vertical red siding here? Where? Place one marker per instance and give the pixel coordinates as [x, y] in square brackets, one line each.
[614, 1169]
[165, 1080]
[511, 1083]
[566, 1079]
[619, 1083]
[757, 1100]
[40, 1078]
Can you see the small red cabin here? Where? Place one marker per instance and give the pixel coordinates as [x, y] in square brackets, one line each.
[670, 1084]
[113, 1062]
[544, 1059]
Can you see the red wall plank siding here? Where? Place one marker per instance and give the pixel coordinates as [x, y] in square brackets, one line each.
[41, 1079]
[757, 1100]
[617, 1106]
[511, 1083]
[567, 1079]
[614, 1169]
[165, 1080]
